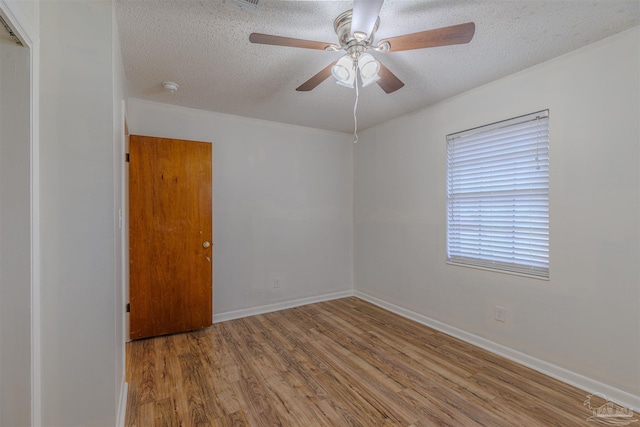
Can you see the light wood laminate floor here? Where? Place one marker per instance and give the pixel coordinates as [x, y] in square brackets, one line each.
[337, 363]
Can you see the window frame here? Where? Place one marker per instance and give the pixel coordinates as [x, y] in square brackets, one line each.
[522, 197]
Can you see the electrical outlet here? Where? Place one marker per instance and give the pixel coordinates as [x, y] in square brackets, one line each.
[276, 282]
[500, 313]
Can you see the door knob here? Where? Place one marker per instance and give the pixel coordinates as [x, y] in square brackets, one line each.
[206, 245]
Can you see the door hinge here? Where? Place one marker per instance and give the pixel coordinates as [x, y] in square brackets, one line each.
[127, 157]
[128, 307]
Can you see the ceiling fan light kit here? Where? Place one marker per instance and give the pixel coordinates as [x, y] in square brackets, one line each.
[344, 71]
[369, 68]
[346, 68]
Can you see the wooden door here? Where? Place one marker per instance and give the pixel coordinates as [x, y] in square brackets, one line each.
[170, 236]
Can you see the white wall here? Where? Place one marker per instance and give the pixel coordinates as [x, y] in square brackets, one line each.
[15, 236]
[585, 318]
[78, 251]
[282, 198]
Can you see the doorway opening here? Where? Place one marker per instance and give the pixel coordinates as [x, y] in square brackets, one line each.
[16, 228]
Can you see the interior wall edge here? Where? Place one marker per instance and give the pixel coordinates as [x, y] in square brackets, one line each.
[24, 21]
[122, 405]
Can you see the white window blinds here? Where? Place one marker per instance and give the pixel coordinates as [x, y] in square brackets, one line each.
[498, 196]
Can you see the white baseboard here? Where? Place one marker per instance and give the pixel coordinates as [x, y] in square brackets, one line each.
[122, 405]
[590, 385]
[237, 314]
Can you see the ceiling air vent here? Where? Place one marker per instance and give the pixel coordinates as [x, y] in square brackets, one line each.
[12, 35]
[252, 6]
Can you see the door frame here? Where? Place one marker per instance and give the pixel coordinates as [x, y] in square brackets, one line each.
[28, 35]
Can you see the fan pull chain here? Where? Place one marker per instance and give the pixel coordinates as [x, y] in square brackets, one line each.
[355, 107]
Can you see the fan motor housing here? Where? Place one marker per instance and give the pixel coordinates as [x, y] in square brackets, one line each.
[349, 42]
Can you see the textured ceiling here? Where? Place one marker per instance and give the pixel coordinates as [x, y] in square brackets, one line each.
[203, 45]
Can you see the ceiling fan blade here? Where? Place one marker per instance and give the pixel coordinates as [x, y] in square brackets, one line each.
[445, 36]
[365, 15]
[317, 79]
[388, 81]
[287, 41]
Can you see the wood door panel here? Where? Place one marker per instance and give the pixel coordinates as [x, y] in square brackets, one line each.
[170, 185]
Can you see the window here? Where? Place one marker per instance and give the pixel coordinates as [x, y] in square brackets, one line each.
[498, 196]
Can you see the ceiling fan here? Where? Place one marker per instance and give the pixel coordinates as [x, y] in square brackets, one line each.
[356, 29]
